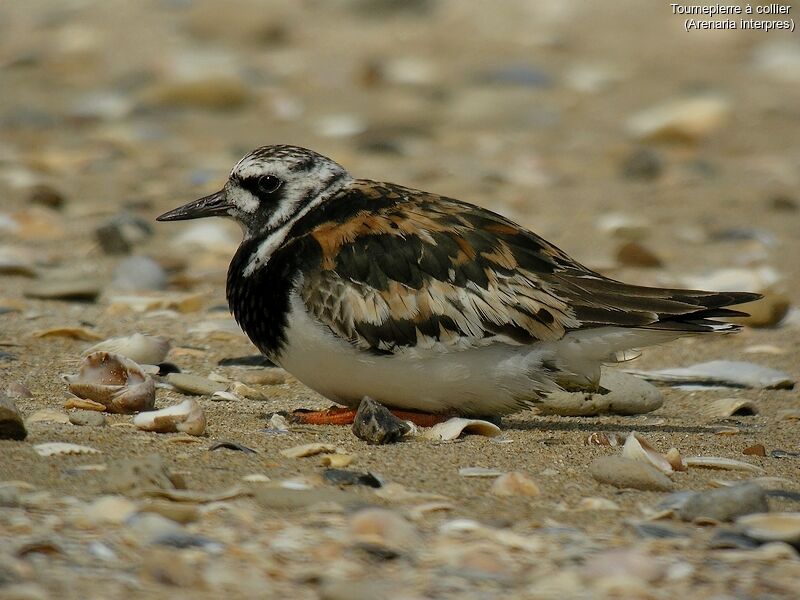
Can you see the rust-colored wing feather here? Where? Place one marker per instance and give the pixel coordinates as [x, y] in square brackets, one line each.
[401, 268]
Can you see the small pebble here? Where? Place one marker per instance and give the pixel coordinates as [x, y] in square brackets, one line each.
[88, 418]
[119, 234]
[725, 504]
[376, 425]
[194, 384]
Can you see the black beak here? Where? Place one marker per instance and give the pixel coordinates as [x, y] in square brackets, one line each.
[215, 205]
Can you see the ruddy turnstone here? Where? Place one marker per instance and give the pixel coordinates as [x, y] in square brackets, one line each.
[424, 303]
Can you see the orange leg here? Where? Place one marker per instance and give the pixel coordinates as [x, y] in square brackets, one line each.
[337, 415]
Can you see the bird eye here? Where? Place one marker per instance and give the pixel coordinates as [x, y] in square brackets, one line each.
[269, 184]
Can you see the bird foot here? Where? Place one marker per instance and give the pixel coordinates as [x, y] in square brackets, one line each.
[338, 415]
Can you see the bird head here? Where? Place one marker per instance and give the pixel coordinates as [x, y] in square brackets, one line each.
[269, 188]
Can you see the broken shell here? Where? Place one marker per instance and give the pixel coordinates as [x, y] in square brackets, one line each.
[55, 448]
[308, 450]
[337, 461]
[48, 415]
[722, 408]
[599, 438]
[76, 333]
[479, 472]
[772, 527]
[639, 449]
[223, 395]
[186, 417]
[597, 503]
[673, 456]
[83, 404]
[144, 349]
[515, 484]
[718, 462]
[115, 381]
[453, 428]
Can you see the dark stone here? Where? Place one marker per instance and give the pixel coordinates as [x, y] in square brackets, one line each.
[11, 424]
[784, 454]
[660, 531]
[643, 164]
[183, 539]
[727, 539]
[376, 425]
[231, 446]
[165, 368]
[345, 477]
[45, 195]
[254, 360]
[119, 234]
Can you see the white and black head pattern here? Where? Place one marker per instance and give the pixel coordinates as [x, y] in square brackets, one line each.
[272, 185]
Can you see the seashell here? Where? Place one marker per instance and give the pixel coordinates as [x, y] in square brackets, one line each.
[479, 472]
[722, 408]
[755, 450]
[186, 417]
[625, 395]
[48, 415]
[141, 348]
[453, 428]
[764, 349]
[515, 484]
[16, 260]
[256, 478]
[245, 391]
[278, 423]
[721, 373]
[305, 450]
[75, 333]
[673, 456]
[418, 512]
[764, 482]
[772, 527]
[623, 473]
[56, 448]
[597, 503]
[84, 404]
[182, 303]
[336, 461]
[75, 287]
[682, 119]
[600, 438]
[114, 381]
[639, 449]
[719, 462]
[223, 395]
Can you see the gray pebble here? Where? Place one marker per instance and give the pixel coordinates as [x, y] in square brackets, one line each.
[376, 425]
[194, 384]
[92, 418]
[625, 473]
[725, 504]
[138, 273]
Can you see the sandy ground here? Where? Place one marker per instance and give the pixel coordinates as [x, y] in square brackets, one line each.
[521, 109]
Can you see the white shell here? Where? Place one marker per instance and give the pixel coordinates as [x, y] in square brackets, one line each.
[721, 373]
[186, 417]
[639, 449]
[308, 450]
[144, 349]
[56, 448]
[719, 462]
[48, 415]
[772, 527]
[722, 408]
[479, 472]
[453, 428]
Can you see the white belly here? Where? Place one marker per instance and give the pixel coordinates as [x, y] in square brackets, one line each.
[496, 379]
